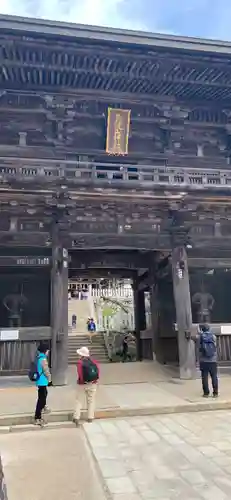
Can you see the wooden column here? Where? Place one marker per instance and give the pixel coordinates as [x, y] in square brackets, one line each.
[59, 309]
[186, 346]
[154, 318]
[153, 290]
[140, 319]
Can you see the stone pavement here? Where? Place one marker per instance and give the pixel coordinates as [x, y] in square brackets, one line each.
[54, 465]
[124, 389]
[165, 457]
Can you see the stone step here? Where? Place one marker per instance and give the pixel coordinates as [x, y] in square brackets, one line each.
[97, 347]
[83, 310]
[101, 361]
[92, 348]
[104, 360]
[102, 354]
[88, 344]
[73, 341]
[97, 355]
[99, 352]
[81, 343]
[77, 338]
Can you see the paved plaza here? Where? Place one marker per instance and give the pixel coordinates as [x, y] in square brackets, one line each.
[168, 457]
[124, 387]
[52, 465]
[186, 457]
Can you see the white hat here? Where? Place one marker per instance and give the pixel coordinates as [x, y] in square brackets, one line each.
[83, 352]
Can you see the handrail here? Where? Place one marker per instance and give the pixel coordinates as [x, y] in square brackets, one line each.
[118, 292]
[191, 173]
[108, 345]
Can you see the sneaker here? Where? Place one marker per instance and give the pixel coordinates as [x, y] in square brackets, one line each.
[205, 396]
[39, 422]
[215, 395]
[76, 422]
[46, 410]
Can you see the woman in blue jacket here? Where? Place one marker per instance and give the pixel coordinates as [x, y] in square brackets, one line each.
[44, 379]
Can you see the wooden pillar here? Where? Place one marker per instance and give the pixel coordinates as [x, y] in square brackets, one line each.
[153, 290]
[186, 346]
[154, 319]
[59, 310]
[140, 319]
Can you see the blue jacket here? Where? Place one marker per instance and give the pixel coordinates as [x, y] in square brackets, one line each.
[44, 378]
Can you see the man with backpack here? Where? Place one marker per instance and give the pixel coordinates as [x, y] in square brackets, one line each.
[88, 377]
[40, 374]
[208, 360]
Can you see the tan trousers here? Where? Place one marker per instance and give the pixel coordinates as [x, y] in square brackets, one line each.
[87, 392]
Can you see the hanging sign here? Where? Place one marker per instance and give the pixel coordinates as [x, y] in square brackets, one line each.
[8, 261]
[118, 127]
[9, 335]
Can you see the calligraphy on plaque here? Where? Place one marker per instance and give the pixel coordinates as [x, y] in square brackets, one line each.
[118, 127]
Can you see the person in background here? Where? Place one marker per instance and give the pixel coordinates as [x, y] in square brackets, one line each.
[74, 320]
[88, 377]
[42, 382]
[125, 349]
[91, 327]
[78, 292]
[84, 293]
[208, 359]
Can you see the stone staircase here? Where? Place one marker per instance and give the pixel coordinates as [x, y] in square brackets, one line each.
[97, 347]
[83, 310]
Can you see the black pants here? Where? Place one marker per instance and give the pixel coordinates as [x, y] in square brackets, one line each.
[209, 368]
[125, 355]
[41, 402]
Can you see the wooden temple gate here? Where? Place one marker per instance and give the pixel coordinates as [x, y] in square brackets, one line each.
[115, 158]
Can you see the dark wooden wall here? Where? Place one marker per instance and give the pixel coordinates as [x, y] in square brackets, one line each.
[15, 357]
[218, 285]
[35, 285]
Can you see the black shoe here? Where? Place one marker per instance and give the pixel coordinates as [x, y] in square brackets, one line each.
[90, 420]
[215, 395]
[205, 395]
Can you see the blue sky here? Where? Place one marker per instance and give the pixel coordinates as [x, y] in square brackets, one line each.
[203, 18]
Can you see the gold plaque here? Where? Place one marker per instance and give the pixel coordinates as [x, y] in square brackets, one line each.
[118, 126]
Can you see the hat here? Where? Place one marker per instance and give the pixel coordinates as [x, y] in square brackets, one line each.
[83, 352]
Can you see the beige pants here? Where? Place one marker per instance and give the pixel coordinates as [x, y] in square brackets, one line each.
[85, 392]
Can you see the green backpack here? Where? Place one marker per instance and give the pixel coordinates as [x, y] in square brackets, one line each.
[90, 371]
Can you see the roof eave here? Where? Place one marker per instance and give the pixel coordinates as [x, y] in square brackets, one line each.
[104, 34]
